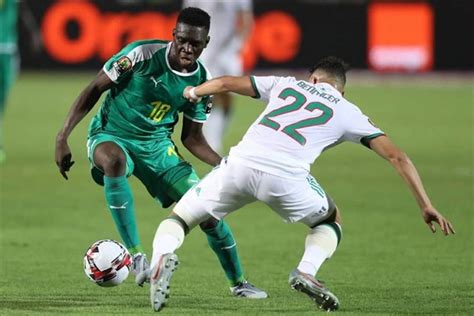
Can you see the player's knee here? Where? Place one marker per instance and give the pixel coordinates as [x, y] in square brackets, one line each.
[333, 210]
[191, 218]
[111, 160]
[115, 165]
[171, 227]
[338, 218]
[326, 235]
[210, 223]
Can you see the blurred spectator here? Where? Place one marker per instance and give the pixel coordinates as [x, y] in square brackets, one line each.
[231, 23]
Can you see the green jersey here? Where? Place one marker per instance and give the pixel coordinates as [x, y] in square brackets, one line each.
[8, 33]
[146, 99]
[8, 50]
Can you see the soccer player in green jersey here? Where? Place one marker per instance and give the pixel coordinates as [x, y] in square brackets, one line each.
[131, 134]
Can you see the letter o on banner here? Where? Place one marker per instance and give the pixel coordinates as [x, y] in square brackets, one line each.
[278, 36]
[58, 44]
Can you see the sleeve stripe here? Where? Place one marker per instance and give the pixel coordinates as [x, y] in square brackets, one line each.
[366, 139]
[144, 51]
[193, 119]
[111, 73]
[137, 52]
[254, 86]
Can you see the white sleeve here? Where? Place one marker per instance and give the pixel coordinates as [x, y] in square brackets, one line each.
[263, 86]
[359, 128]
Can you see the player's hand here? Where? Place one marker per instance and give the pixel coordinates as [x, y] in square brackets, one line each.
[63, 157]
[187, 95]
[431, 215]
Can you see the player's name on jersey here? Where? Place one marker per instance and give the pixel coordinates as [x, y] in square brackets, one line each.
[313, 90]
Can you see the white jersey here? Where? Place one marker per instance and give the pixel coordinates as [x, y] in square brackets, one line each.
[222, 55]
[300, 121]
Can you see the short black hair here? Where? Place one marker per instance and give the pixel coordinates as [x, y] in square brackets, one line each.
[195, 17]
[334, 66]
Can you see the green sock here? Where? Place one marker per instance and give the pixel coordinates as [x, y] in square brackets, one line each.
[120, 201]
[222, 242]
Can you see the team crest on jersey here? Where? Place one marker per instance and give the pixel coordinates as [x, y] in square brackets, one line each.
[122, 65]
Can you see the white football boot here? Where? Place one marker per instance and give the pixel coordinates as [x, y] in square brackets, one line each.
[160, 280]
[305, 283]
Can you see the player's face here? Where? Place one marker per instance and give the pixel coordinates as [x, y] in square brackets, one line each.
[188, 44]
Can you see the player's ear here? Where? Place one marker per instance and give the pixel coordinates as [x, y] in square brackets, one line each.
[174, 32]
[207, 41]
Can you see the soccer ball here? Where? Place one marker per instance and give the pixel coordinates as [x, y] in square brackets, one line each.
[107, 263]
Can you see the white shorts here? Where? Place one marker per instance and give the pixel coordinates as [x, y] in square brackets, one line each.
[232, 185]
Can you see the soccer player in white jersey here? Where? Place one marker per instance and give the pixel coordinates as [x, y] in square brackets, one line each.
[231, 24]
[271, 164]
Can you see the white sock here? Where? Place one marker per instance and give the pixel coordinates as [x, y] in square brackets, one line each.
[320, 244]
[169, 237]
[312, 260]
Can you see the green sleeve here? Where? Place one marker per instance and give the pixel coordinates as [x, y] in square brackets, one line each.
[131, 58]
[199, 112]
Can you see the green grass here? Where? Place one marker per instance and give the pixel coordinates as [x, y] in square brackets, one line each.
[387, 263]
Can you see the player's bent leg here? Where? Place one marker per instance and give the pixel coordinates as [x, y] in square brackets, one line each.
[320, 245]
[169, 237]
[111, 159]
[221, 240]
[218, 234]
[321, 242]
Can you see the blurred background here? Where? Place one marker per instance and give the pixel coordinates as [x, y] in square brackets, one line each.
[412, 73]
[404, 36]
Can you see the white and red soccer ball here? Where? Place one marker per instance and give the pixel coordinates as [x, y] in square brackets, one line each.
[107, 263]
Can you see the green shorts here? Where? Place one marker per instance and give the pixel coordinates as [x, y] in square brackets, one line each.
[157, 164]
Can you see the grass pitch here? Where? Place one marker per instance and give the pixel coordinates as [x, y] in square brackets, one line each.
[388, 261]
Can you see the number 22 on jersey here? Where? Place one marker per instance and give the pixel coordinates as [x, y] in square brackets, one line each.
[298, 103]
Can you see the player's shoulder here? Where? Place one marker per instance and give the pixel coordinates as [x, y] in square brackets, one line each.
[349, 108]
[274, 80]
[287, 79]
[205, 71]
[144, 49]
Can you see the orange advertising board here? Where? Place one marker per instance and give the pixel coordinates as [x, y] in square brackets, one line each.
[400, 36]
[276, 35]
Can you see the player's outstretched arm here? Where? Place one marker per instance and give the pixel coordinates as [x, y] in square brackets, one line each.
[240, 85]
[194, 141]
[79, 109]
[383, 146]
